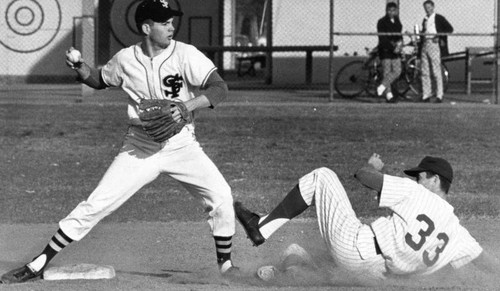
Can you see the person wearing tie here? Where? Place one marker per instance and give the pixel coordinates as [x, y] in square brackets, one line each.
[433, 47]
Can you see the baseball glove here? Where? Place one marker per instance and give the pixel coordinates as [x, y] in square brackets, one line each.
[157, 119]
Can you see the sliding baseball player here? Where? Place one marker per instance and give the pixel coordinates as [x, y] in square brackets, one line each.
[420, 237]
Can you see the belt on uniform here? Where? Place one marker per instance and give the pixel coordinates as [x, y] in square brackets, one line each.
[377, 247]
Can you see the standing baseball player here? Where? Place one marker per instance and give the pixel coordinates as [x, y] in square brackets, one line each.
[160, 76]
[420, 237]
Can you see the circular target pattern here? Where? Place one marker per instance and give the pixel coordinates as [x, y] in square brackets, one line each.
[31, 24]
[122, 18]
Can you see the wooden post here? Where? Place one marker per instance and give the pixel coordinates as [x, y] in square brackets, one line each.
[220, 41]
[496, 73]
[88, 40]
[332, 49]
[468, 73]
[269, 35]
[309, 66]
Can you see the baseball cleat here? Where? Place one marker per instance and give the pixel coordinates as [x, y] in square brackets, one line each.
[267, 273]
[250, 223]
[20, 275]
[232, 272]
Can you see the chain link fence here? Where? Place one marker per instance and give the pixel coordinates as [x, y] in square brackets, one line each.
[467, 64]
[277, 46]
[257, 44]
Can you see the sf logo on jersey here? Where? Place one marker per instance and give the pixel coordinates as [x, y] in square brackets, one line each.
[164, 3]
[173, 84]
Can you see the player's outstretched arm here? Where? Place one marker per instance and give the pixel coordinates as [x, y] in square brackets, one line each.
[87, 75]
[370, 175]
[487, 263]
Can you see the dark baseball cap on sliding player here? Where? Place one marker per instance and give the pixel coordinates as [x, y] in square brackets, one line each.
[432, 164]
[156, 10]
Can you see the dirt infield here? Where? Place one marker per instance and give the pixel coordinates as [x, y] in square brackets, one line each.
[179, 256]
[55, 146]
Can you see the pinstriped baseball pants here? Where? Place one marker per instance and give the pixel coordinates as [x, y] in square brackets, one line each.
[350, 242]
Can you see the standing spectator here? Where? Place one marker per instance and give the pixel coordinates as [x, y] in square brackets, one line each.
[433, 47]
[389, 47]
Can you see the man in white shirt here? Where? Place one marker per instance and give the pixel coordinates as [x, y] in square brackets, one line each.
[432, 48]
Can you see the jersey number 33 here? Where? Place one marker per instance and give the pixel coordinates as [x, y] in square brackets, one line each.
[417, 242]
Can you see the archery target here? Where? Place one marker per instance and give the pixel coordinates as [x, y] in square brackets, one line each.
[29, 25]
[122, 18]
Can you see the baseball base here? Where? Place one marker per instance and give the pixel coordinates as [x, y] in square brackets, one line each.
[79, 271]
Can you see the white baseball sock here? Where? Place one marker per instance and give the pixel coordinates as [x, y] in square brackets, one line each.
[269, 228]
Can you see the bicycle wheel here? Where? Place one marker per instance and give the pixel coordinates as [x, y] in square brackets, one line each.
[351, 79]
[413, 75]
[374, 78]
[401, 85]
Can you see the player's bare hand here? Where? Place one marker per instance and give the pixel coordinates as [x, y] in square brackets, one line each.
[176, 114]
[179, 113]
[376, 162]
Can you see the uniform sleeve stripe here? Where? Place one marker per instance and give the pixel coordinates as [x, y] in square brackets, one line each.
[104, 79]
[208, 75]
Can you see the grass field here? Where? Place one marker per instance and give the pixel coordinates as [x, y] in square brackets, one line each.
[54, 150]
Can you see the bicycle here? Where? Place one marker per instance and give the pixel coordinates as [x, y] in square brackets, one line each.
[360, 76]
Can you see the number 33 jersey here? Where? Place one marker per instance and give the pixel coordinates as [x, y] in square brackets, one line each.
[176, 73]
[423, 234]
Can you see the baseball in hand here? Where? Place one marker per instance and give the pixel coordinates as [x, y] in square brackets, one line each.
[376, 162]
[74, 56]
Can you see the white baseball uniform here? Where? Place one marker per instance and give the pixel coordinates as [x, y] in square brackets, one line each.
[422, 236]
[174, 74]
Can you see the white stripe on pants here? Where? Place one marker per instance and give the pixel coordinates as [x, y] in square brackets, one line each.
[338, 224]
[431, 60]
[141, 161]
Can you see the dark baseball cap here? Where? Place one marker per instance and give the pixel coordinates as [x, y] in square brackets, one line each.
[156, 10]
[432, 164]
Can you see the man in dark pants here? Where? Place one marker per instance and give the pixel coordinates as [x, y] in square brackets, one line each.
[433, 47]
[389, 47]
